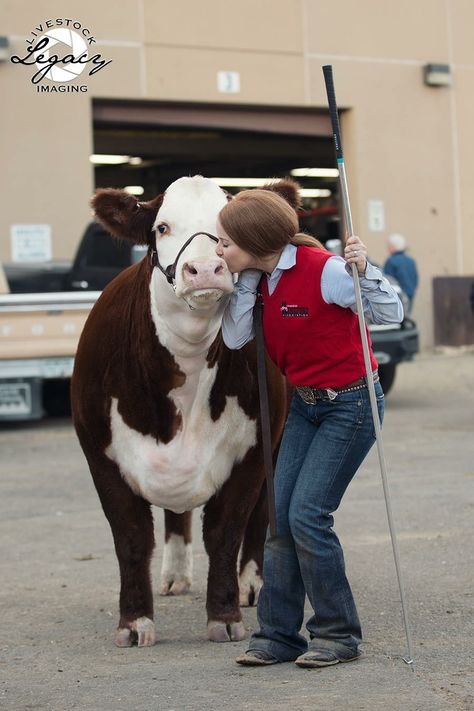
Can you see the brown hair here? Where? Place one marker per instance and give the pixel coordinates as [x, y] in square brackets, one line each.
[261, 222]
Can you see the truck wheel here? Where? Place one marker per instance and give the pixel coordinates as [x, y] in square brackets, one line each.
[387, 376]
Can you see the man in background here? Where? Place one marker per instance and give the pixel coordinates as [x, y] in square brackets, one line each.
[402, 267]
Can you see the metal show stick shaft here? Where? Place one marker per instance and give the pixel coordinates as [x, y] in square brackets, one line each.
[328, 78]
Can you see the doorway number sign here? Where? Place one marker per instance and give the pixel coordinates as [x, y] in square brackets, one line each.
[228, 82]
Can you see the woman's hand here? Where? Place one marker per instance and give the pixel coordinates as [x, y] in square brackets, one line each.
[355, 252]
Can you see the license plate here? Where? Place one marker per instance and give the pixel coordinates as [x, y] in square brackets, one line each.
[15, 398]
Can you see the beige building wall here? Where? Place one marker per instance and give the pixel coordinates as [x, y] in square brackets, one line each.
[407, 144]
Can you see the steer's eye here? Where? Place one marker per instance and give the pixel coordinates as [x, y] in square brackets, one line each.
[162, 228]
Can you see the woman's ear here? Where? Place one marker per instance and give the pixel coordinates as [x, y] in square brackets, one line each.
[123, 216]
[288, 189]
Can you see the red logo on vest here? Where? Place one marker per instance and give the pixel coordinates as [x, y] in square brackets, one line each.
[293, 310]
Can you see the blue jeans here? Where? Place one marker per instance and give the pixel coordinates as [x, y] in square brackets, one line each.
[323, 446]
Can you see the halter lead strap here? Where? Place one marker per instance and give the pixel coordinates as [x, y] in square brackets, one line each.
[265, 417]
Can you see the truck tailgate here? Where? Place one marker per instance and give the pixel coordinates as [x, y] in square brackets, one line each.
[43, 325]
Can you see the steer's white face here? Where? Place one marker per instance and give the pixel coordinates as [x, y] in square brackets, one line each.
[191, 205]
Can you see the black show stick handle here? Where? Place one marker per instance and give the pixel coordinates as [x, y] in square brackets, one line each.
[328, 79]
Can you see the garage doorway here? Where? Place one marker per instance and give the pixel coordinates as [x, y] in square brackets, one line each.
[154, 143]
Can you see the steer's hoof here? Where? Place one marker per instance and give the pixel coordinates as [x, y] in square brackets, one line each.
[225, 632]
[175, 587]
[250, 584]
[140, 632]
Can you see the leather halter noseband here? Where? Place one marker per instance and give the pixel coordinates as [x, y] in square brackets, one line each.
[170, 270]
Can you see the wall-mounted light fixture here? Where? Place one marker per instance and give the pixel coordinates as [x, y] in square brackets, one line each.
[437, 75]
[4, 49]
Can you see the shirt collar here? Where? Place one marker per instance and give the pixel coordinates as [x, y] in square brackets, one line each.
[287, 258]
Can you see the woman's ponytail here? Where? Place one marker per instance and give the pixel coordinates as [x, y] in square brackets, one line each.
[306, 240]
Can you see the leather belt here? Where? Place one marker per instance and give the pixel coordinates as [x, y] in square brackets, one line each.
[309, 394]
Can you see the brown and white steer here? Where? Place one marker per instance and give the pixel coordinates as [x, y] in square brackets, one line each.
[167, 415]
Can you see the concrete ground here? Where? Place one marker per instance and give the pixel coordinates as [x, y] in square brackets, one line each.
[59, 591]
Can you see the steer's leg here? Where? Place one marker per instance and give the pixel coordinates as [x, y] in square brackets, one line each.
[131, 521]
[251, 559]
[177, 566]
[225, 518]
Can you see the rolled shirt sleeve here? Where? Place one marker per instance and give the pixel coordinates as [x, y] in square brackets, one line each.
[379, 299]
[237, 321]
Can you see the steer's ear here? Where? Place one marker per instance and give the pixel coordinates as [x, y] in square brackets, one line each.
[288, 189]
[123, 216]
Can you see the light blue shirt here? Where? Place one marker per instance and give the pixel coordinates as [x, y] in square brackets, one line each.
[380, 302]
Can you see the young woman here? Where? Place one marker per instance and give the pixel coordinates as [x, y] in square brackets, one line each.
[311, 332]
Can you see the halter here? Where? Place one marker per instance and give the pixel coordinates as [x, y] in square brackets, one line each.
[170, 270]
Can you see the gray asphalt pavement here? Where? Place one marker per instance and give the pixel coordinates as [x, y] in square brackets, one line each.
[59, 578]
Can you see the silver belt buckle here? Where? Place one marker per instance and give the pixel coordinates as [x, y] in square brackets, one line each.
[310, 397]
[332, 394]
[307, 394]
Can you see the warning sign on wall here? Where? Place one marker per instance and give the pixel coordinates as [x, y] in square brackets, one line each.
[31, 243]
[376, 215]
